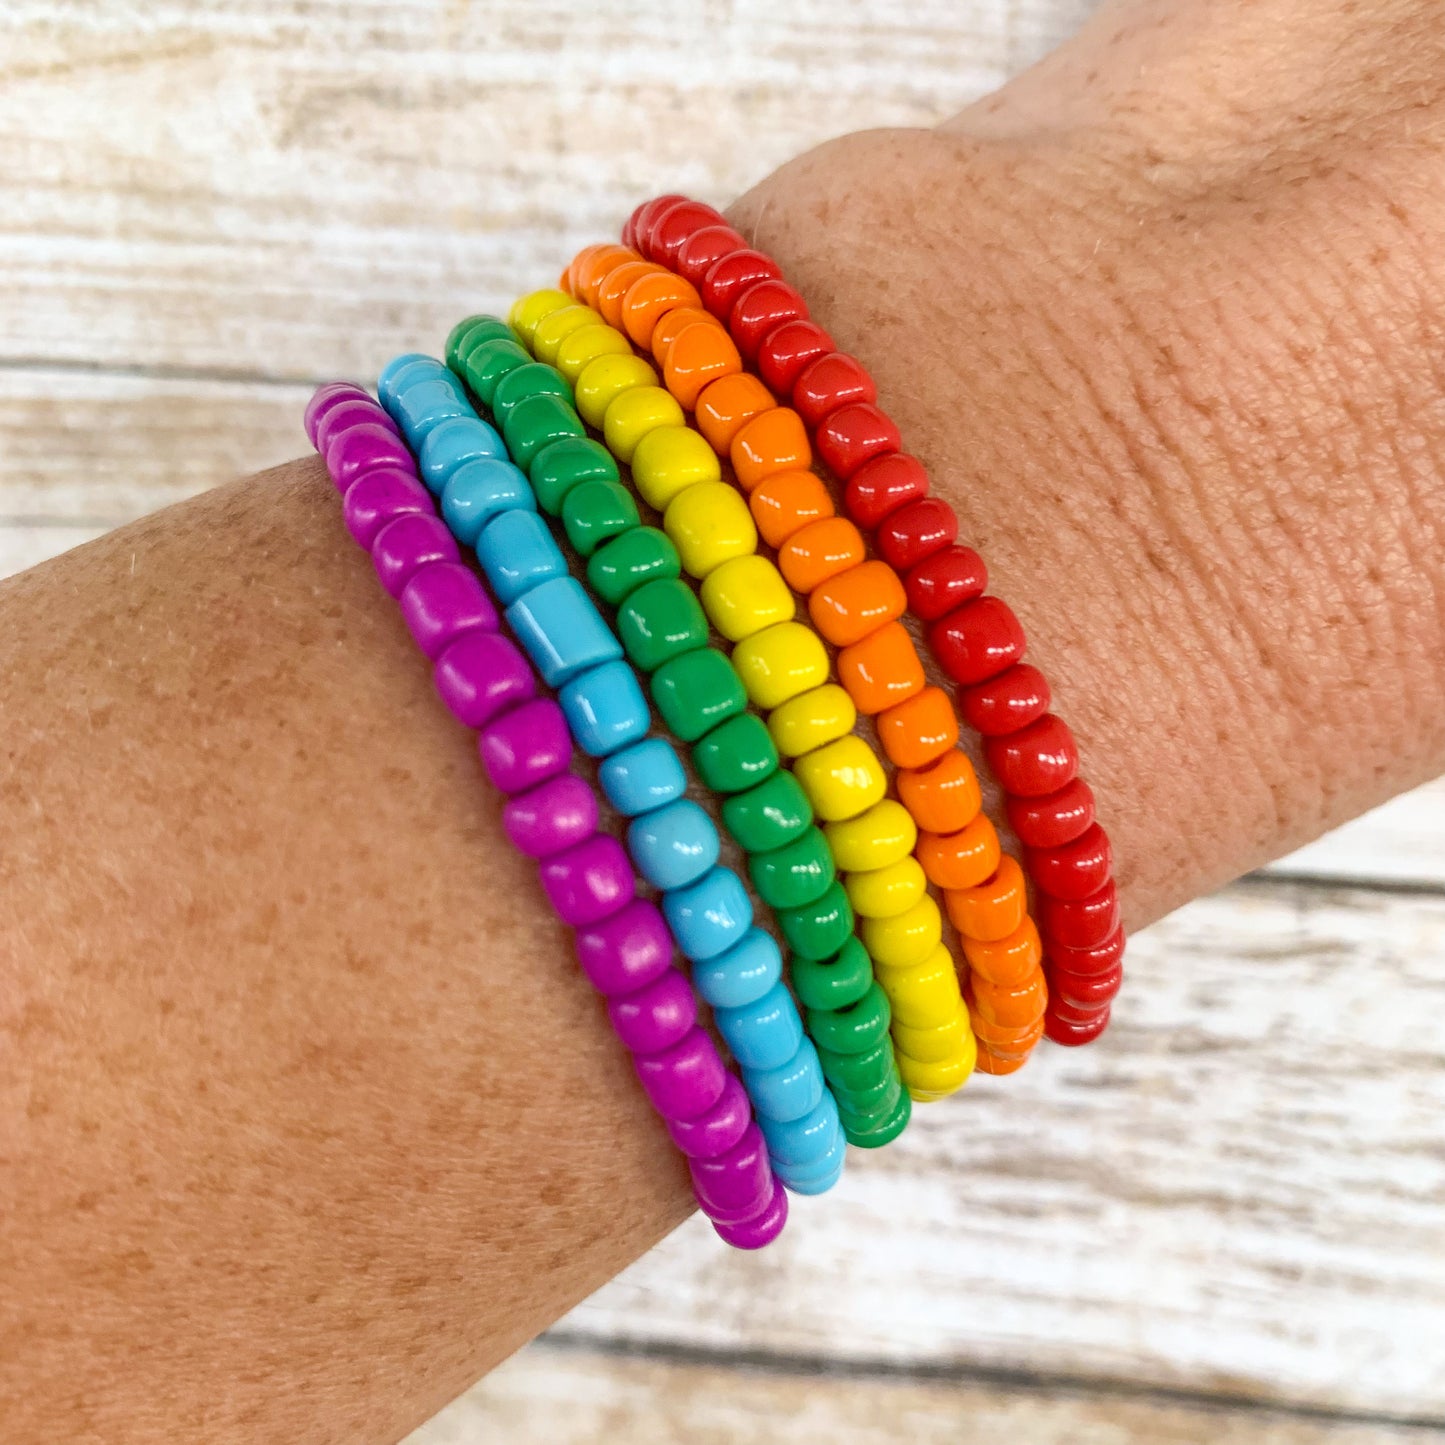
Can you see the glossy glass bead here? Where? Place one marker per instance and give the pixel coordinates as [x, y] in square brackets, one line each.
[1075, 869]
[732, 274]
[1010, 1007]
[699, 355]
[442, 601]
[481, 490]
[482, 674]
[794, 874]
[1098, 958]
[808, 721]
[697, 691]
[1007, 702]
[765, 1034]
[421, 406]
[637, 229]
[829, 382]
[742, 974]
[518, 553]
[877, 838]
[801, 1142]
[530, 310]
[915, 532]
[484, 366]
[583, 346]
[886, 892]
[706, 245]
[655, 1017]
[674, 845]
[651, 297]
[919, 730]
[1010, 961]
[595, 512]
[709, 525]
[613, 288]
[685, 1081]
[602, 381]
[717, 1129]
[787, 349]
[385, 383]
[659, 621]
[668, 228]
[780, 663]
[905, 939]
[555, 328]
[590, 266]
[842, 778]
[771, 442]
[943, 797]
[565, 464]
[725, 406]
[854, 1030]
[883, 486]
[745, 595]
[605, 708]
[619, 567]
[557, 814]
[669, 460]
[1052, 819]
[944, 581]
[381, 496]
[563, 633]
[819, 551]
[1036, 760]
[526, 746]
[1086, 994]
[537, 422]
[671, 326]
[626, 951]
[588, 882]
[853, 435]
[829, 984]
[924, 994]
[933, 1043]
[710, 916]
[361, 449]
[790, 1091]
[736, 756]
[882, 670]
[927, 1082]
[961, 859]
[852, 605]
[770, 814]
[992, 909]
[786, 502]
[1006, 1040]
[408, 543]
[873, 1103]
[524, 382]
[1070, 1034]
[977, 641]
[646, 776]
[821, 928]
[453, 443]
[634, 413]
[1078, 923]
[339, 410]
[760, 310]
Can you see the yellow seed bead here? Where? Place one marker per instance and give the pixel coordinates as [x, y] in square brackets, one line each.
[632, 415]
[928, 1082]
[934, 1045]
[554, 328]
[602, 381]
[745, 595]
[779, 663]
[709, 524]
[886, 892]
[882, 836]
[809, 721]
[670, 459]
[925, 994]
[906, 940]
[586, 345]
[530, 309]
[842, 778]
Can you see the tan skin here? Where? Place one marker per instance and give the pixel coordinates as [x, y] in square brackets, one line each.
[306, 1118]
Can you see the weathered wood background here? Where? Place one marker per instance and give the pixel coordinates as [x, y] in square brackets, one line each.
[1228, 1220]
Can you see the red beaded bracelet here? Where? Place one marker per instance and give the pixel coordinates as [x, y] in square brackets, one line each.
[975, 637]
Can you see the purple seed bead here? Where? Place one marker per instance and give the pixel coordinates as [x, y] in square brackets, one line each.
[377, 497]
[359, 449]
[555, 815]
[736, 1185]
[407, 544]
[763, 1228]
[481, 675]
[442, 601]
[591, 881]
[334, 393]
[526, 746]
[346, 412]
[715, 1130]
[656, 1017]
[685, 1080]
[627, 951]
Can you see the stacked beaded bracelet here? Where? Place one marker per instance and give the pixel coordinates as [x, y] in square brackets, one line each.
[623, 941]
[702, 698]
[975, 637]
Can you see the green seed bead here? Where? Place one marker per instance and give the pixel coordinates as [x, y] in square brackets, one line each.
[536, 422]
[596, 512]
[485, 365]
[534, 379]
[472, 331]
[626, 563]
[697, 691]
[854, 1029]
[871, 1103]
[795, 874]
[856, 1071]
[829, 984]
[775, 812]
[875, 1136]
[660, 621]
[737, 756]
[819, 929]
[568, 463]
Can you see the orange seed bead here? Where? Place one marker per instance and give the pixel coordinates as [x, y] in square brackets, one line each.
[919, 731]
[1008, 962]
[591, 265]
[1011, 1007]
[992, 1063]
[849, 607]
[786, 502]
[882, 670]
[671, 324]
[819, 551]
[773, 441]
[727, 405]
[613, 288]
[699, 354]
[994, 908]
[962, 859]
[943, 797]
[649, 299]
[1010, 1042]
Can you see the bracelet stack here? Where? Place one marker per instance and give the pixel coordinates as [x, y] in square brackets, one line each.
[640, 518]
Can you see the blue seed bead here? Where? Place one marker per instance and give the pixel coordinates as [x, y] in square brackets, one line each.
[765, 1034]
[561, 629]
[803, 1142]
[819, 1175]
[645, 776]
[518, 552]
[421, 406]
[391, 373]
[792, 1089]
[457, 440]
[709, 916]
[606, 709]
[743, 974]
[673, 846]
[481, 490]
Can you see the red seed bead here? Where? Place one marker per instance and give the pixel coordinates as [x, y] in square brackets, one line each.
[830, 382]
[787, 349]
[949, 578]
[1086, 995]
[760, 310]
[669, 226]
[1053, 819]
[729, 276]
[853, 435]
[977, 641]
[629, 226]
[1077, 923]
[880, 487]
[1036, 760]
[1074, 870]
[1060, 1028]
[638, 230]
[916, 531]
[1018, 696]
[1086, 962]
[704, 248]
